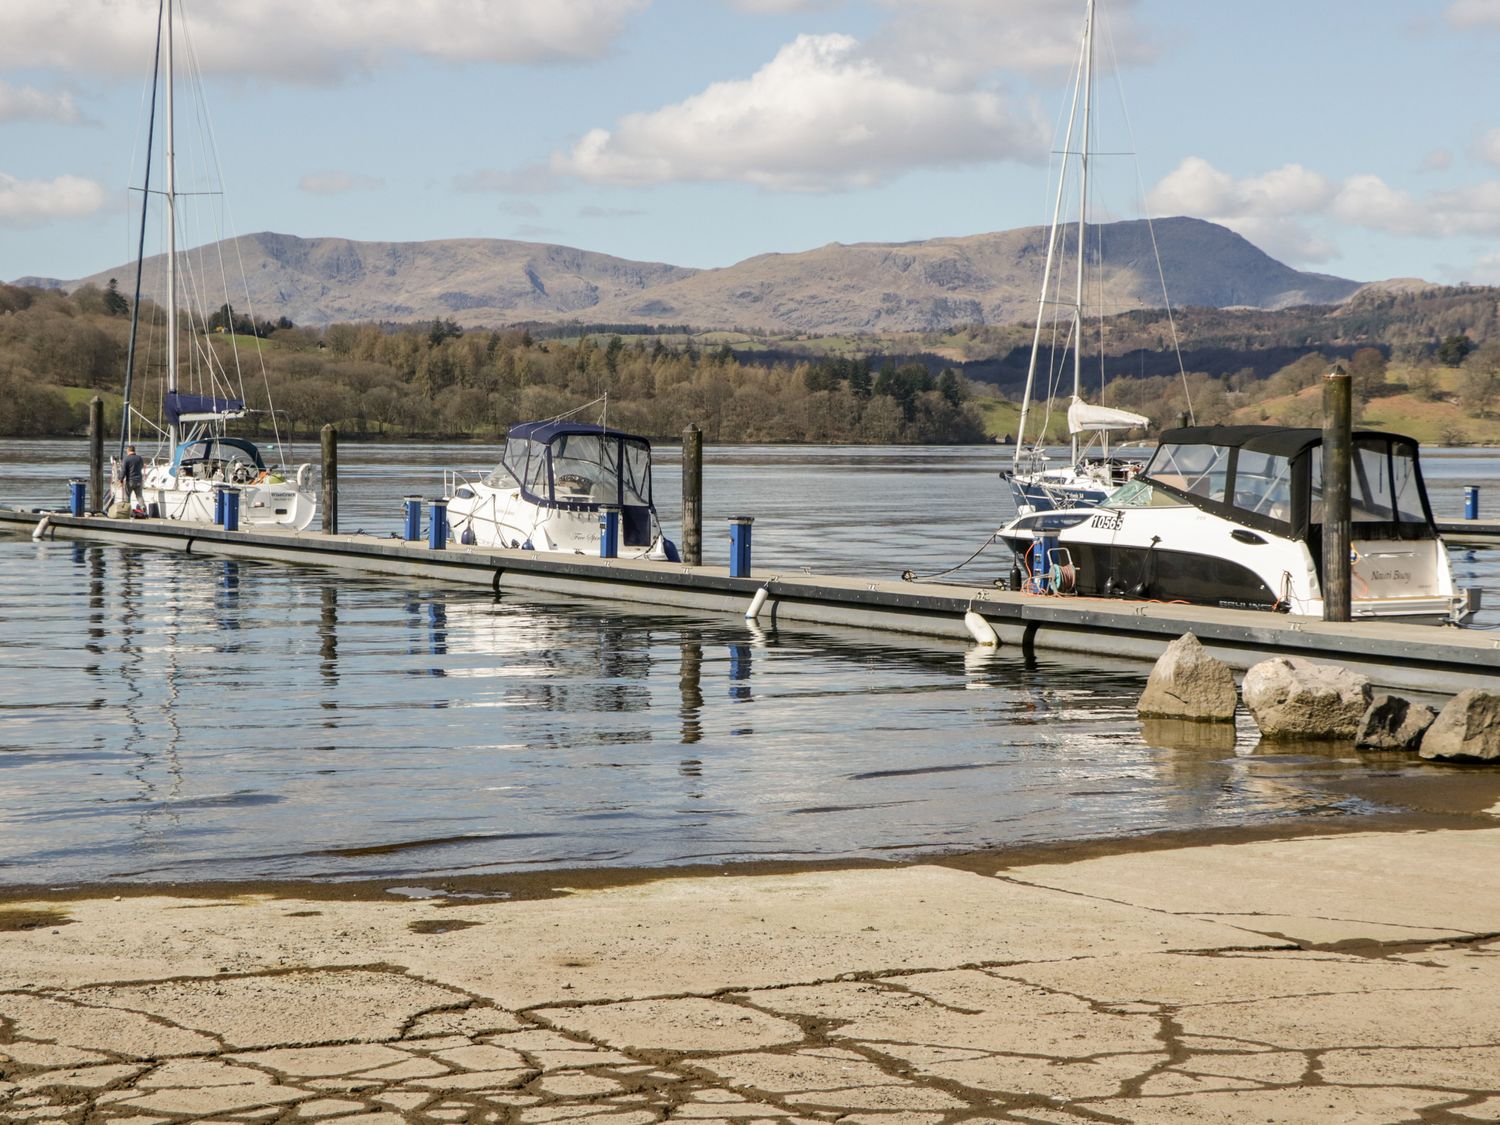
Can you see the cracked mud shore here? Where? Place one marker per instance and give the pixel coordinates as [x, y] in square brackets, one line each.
[1338, 977]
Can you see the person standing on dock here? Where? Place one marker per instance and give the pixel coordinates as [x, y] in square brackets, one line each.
[132, 473]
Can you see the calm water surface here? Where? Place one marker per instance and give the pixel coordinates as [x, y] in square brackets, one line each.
[166, 717]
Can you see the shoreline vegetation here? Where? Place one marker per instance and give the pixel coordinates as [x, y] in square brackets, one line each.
[1426, 364]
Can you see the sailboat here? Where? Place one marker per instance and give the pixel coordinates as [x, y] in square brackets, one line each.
[204, 390]
[1092, 471]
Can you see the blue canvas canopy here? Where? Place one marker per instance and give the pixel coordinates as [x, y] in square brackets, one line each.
[178, 404]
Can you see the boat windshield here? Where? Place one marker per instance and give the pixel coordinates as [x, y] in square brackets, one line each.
[577, 468]
[214, 450]
[1385, 485]
[1140, 494]
[1198, 470]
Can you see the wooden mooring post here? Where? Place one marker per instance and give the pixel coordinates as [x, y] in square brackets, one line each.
[1338, 442]
[97, 502]
[330, 479]
[692, 496]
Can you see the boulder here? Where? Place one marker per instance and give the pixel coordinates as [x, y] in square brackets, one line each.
[1468, 727]
[1188, 683]
[1298, 700]
[1394, 723]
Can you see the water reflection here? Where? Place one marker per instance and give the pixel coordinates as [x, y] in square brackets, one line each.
[370, 727]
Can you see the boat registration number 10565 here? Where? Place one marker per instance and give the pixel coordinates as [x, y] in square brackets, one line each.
[1109, 521]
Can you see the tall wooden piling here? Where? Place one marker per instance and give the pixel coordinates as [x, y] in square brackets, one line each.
[692, 496]
[330, 479]
[97, 501]
[1338, 443]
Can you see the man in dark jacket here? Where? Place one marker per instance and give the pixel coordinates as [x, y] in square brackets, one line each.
[133, 472]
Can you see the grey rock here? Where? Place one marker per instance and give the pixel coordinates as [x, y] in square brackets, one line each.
[1298, 700]
[1188, 683]
[1394, 723]
[1467, 728]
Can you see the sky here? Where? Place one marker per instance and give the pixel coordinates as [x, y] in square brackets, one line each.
[1359, 138]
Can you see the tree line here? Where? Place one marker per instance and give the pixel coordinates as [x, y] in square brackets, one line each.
[440, 381]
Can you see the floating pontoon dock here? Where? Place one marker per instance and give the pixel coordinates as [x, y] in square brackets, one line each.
[1411, 657]
[1470, 533]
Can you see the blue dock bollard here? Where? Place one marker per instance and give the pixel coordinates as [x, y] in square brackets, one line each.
[1471, 501]
[609, 532]
[739, 546]
[219, 505]
[77, 490]
[437, 525]
[231, 509]
[413, 509]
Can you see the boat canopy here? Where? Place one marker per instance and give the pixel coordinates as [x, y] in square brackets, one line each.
[1271, 477]
[1084, 417]
[575, 465]
[209, 450]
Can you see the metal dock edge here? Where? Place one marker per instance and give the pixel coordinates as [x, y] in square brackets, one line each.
[1410, 657]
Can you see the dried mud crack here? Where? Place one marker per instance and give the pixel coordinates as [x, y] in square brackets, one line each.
[1122, 988]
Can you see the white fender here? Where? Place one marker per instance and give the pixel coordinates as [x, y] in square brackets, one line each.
[304, 476]
[757, 603]
[42, 527]
[981, 630]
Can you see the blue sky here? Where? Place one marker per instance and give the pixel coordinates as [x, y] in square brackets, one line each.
[1355, 138]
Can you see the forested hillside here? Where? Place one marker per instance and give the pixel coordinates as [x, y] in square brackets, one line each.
[438, 380]
[1426, 362]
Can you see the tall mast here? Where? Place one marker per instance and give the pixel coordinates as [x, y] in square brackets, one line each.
[1052, 245]
[1083, 203]
[171, 155]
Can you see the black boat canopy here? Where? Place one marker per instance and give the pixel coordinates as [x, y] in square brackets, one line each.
[1271, 477]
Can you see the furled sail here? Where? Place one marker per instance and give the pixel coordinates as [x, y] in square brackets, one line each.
[179, 407]
[1085, 416]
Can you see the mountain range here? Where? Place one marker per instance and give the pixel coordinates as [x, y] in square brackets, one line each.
[863, 287]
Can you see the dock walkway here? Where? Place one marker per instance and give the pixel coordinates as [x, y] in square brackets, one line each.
[1401, 656]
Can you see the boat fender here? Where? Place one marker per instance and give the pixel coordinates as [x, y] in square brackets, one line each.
[468, 538]
[981, 630]
[42, 527]
[671, 550]
[527, 546]
[304, 475]
[757, 603]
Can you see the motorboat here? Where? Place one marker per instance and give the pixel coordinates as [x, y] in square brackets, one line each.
[1233, 516]
[554, 483]
[203, 384]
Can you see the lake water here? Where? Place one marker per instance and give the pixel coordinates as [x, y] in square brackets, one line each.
[170, 718]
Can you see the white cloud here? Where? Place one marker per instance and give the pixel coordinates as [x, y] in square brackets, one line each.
[310, 41]
[1487, 147]
[27, 103]
[957, 42]
[1196, 187]
[822, 115]
[592, 212]
[1474, 13]
[25, 203]
[337, 183]
[780, 7]
[1274, 210]
[521, 209]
